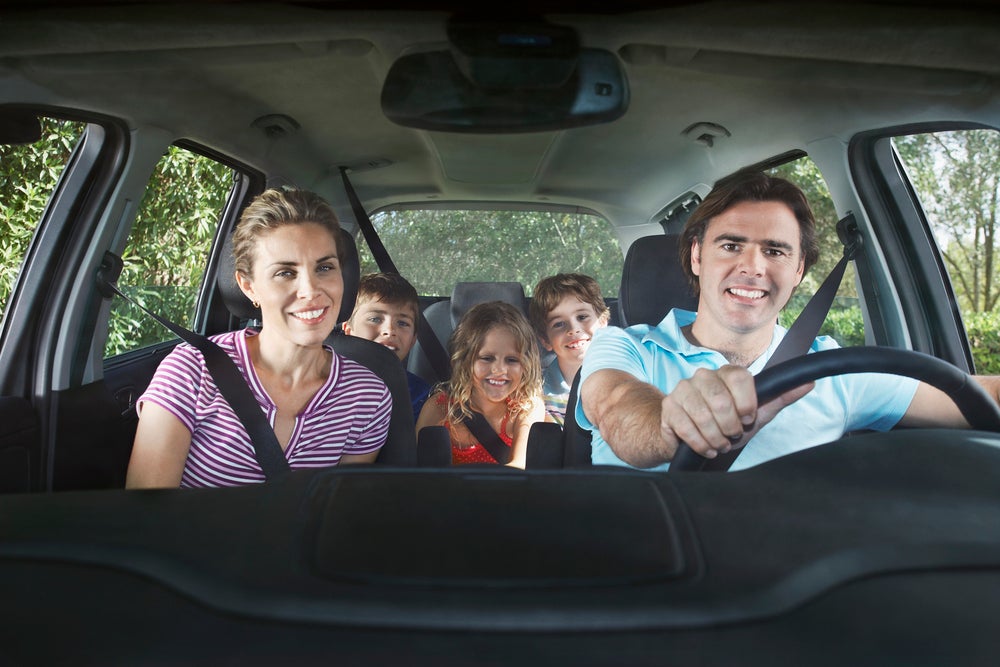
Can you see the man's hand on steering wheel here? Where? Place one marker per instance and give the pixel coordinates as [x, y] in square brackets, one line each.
[783, 384]
[716, 410]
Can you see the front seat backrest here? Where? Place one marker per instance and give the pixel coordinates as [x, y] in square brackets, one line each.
[652, 284]
[653, 281]
[400, 448]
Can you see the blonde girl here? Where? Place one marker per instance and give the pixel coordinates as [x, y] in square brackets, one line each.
[495, 371]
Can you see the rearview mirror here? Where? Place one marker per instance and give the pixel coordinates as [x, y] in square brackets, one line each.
[506, 79]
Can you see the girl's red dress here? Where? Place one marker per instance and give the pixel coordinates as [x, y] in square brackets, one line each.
[476, 453]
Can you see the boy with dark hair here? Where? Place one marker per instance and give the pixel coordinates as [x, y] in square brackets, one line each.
[386, 311]
[566, 309]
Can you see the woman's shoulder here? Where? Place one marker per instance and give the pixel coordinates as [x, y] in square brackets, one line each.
[230, 342]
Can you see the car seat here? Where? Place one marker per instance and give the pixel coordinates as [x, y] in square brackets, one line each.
[653, 283]
[400, 448]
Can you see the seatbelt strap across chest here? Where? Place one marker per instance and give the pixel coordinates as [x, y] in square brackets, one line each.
[488, 438]
[432, 347]
[224, 372]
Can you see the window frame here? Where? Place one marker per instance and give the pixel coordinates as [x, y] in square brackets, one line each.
[39, 316]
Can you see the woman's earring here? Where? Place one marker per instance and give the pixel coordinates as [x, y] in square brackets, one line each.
[256, 304]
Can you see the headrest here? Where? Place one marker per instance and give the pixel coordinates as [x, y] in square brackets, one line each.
[653, 281]
[240, 306]
[467, 295]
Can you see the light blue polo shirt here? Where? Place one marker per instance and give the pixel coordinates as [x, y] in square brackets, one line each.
[662, 356]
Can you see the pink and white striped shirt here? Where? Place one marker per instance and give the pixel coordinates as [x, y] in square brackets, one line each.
[348, 415]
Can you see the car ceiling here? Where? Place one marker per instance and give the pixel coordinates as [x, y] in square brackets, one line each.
[777, 76]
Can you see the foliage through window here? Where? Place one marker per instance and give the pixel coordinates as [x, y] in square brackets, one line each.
[168, 249]
[844, 323]
[956, 176]
[28, 175]
[435, 248]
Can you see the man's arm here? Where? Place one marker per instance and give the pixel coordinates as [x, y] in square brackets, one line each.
[627, 413]
[712, 412]
[931, 407]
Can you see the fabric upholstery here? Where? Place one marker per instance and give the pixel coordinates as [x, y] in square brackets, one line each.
[653, 281]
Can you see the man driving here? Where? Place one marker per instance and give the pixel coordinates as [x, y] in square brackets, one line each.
[690, 378]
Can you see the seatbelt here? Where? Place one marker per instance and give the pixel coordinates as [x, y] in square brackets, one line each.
[800, 336]
[488, 438]
[429, 343]
[798, 339]
[226, 375]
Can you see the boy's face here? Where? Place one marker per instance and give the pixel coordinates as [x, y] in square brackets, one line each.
[569, 328]
[390, 324]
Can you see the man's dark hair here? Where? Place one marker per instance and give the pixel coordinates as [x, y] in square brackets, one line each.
[749, 186]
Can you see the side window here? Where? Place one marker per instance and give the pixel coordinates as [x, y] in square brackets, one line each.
[845, 322]
[956, 177]
[168, 249]
[28, 175]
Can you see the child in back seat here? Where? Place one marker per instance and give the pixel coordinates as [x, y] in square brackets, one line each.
[386, 311]
[566, 309]
[495, 372]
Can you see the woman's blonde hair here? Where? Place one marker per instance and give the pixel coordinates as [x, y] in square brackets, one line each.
[466, 342]
[275, 208]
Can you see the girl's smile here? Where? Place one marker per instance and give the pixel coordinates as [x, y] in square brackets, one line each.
[497, 371]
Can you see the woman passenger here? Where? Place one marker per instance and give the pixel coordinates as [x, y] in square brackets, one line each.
[325, 409]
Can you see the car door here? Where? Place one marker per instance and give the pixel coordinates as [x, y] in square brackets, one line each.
[73, 361]
[52, 192]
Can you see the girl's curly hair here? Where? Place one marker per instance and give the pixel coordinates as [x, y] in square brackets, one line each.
[466, 342]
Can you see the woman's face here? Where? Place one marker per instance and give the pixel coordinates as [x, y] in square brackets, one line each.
[497, 370]
[297, 281]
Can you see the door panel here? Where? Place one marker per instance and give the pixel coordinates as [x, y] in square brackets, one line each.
[20, 446]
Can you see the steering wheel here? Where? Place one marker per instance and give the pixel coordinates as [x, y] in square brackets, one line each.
[978, 408]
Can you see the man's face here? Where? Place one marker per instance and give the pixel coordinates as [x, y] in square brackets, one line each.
[747, 267]
[392, 325]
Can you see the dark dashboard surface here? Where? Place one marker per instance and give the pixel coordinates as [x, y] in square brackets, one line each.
[894, 531]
